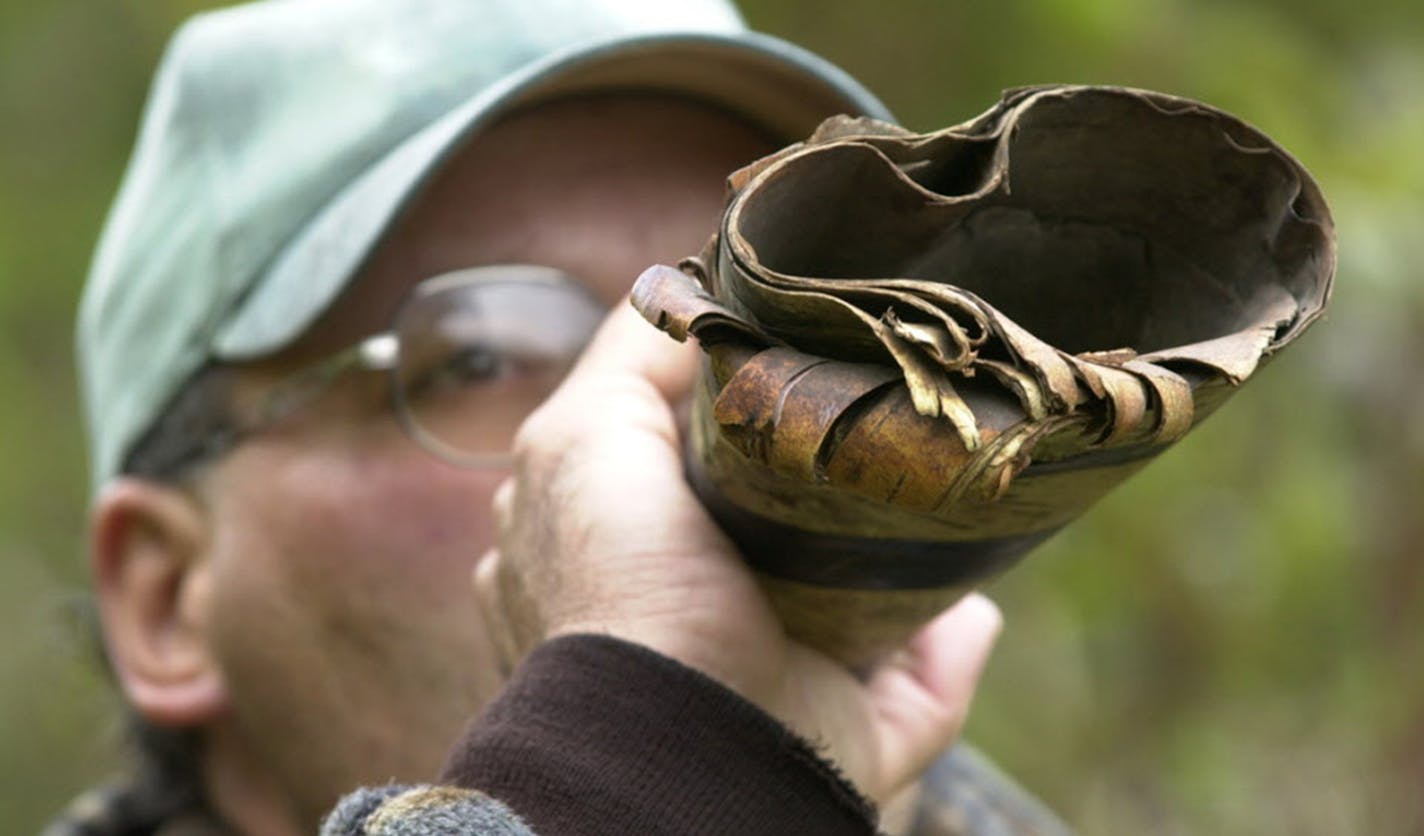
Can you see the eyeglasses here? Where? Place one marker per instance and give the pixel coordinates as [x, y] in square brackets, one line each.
[469, 355]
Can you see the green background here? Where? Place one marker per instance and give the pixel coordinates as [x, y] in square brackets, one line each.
[1232, 643]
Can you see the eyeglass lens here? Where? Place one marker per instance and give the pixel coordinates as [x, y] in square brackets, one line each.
[477, 358]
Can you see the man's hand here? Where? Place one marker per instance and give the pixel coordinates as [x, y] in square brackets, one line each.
[598, 532]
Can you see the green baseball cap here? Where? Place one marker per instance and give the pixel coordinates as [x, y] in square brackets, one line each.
[281, 140]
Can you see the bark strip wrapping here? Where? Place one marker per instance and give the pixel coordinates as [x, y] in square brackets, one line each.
[970, 335]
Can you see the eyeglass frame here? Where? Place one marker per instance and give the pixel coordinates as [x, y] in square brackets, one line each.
[378, 352]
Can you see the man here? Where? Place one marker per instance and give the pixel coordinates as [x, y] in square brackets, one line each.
[359, 243]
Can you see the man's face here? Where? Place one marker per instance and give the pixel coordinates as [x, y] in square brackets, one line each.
[337, 593]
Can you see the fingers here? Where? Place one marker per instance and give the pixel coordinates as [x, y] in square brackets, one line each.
[921, 699]
[500, 594]
[630, 375]
[627, 343]
[489, 602]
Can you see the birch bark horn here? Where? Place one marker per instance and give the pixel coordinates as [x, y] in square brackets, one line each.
[926, 353]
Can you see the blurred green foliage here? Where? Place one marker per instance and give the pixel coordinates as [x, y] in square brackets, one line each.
[1233, 643]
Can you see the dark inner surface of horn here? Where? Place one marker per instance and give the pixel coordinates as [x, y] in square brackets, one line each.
[1115, 224]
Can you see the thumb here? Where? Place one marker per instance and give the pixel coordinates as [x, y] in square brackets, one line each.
[920, 699]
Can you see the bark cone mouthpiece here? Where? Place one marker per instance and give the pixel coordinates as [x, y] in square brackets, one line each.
[929, 352]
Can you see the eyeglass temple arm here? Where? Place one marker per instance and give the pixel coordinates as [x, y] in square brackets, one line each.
[378, 352]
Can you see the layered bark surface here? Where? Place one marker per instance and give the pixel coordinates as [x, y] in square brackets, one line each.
[928, 352]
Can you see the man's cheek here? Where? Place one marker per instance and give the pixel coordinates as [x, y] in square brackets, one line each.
[391, 515]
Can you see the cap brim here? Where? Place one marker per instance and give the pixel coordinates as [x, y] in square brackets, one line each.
[774, 84]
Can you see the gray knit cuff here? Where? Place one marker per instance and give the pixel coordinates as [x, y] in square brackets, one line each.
[421, 811]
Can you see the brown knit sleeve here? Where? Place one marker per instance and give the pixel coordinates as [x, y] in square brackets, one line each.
[598, 736]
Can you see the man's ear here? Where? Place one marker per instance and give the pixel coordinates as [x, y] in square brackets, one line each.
[151, 573]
